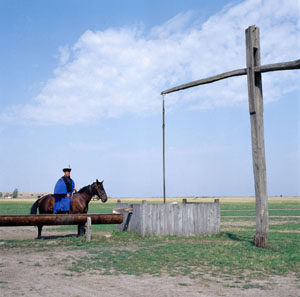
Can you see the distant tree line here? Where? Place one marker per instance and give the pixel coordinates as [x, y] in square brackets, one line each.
[14, 194]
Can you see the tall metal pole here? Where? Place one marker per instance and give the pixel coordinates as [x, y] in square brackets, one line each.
[164, 157]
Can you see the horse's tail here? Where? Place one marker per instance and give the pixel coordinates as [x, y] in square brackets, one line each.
[35, 206]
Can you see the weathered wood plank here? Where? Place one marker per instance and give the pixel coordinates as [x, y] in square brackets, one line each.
[178, 220]
[143, 217]
[218, 216]
[136, 220]
[208, 80]
[88, 229]
[255, 96]
[238, 72]
[59, 219]
[120, 208]
[278, 66]
[174, 219]
[154, 219]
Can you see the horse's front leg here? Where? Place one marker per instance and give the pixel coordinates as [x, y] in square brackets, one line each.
[81, 230]
[40, 227]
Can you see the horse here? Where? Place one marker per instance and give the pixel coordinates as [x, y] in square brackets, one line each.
[79, 203]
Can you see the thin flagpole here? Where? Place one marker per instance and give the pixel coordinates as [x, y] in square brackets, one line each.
[164, 152]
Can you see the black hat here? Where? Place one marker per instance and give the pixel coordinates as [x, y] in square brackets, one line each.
[67, 169]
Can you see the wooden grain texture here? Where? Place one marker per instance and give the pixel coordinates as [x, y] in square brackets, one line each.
[58, 219]
[278, 66]
[255, 97]
[135, 223]
[238, 72]
[143, 217]
[88, 229]
[188, 219]
[208, 80]
[218, 216]
[178, 219]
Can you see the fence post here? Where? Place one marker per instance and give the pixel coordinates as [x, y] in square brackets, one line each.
[88, 229]
[255, 96]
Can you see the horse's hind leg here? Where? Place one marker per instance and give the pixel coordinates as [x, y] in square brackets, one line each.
[40, 227]
[81, 230]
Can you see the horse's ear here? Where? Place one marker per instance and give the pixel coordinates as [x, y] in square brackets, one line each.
[102, 181]
[97, 181]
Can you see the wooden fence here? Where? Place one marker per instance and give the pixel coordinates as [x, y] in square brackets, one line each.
[186, 219]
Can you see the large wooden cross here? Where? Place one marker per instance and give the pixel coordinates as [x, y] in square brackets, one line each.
[255, 96]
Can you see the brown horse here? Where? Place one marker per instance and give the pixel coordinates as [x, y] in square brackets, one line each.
[79, 203]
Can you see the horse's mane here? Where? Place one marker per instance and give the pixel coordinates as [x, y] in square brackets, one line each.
[83, 190]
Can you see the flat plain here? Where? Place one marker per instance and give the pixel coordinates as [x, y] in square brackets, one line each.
[122, 264]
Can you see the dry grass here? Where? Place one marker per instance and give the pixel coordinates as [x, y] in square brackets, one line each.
[210, 199]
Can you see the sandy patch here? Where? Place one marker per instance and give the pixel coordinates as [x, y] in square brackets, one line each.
[44, 274]
[30, 232]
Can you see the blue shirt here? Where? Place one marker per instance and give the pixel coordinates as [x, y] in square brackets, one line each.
[61, 187]
[62, 202]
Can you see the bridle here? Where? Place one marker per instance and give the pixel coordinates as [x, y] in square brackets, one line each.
[97, 190]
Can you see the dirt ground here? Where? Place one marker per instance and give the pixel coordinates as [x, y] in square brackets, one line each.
[28, 232]
[28, 273]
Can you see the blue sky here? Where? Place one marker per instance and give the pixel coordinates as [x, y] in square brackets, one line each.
[80, 84]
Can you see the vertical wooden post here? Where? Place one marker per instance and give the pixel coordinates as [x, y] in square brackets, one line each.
[164, 158]
[255, 96]
[88, 229]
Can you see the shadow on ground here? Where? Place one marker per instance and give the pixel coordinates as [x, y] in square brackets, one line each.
[241, 238]
[56, 236]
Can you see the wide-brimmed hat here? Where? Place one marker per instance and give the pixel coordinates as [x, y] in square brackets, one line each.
[67, 169]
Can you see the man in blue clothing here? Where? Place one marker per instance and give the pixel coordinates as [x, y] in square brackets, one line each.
[63, 190]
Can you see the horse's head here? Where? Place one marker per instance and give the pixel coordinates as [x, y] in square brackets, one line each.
[98, 190]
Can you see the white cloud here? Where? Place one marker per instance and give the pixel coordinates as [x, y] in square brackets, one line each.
[64, 54]
[116, 72]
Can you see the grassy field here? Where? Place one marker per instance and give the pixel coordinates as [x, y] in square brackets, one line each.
[229, 256]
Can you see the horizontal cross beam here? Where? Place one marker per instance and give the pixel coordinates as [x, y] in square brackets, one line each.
[243, 71]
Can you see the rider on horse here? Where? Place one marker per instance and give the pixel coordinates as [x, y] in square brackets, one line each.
[63, 190]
